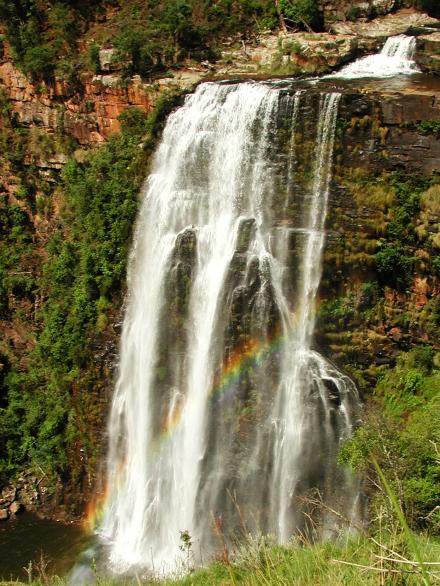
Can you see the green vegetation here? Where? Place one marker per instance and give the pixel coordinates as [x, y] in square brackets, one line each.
[301, 13]
[425, 127]
[380, 319]
[42, 35]
[150, 37]
[50, 405]
[359, 561]
[402, 433]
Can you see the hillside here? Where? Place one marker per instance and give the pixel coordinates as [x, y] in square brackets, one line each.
[86, 88]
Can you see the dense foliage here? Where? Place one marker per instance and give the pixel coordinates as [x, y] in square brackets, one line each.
[301, 13]
[49, 405]
[149, 36]
[402, 433]
[43, 34]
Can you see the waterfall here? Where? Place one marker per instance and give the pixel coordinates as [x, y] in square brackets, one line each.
[224, 417]
[396, 57]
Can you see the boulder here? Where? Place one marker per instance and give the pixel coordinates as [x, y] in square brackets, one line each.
[4, 515]
[107, 60]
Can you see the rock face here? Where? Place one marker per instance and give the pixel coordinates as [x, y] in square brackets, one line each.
[341, 10]
[88, 113]
[89, 118]
[291, 53]
[372, 33]
[428, 52]
[380, 135]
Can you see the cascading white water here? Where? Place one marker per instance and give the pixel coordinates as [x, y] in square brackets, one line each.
[223, 414]
[396, 57]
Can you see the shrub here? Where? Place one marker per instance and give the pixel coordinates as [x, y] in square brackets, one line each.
[133, 121]
[38, 61]
[395, 266]
[301, 13]
[403, 435]
[93, 58]
[430, 200]
[353, 13]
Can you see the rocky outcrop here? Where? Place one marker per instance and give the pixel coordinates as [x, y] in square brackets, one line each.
[28, 493]
[342, 10]
[428, 52]
[371, 34]
[291, 53]
[88, 113]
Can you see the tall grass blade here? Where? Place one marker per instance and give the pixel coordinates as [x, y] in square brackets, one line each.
[401, 517]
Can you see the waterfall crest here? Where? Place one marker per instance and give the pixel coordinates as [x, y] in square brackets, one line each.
[223, 413]
[396, 57]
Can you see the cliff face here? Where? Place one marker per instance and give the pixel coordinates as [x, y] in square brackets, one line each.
[88, 113]
[379, 294]
[381, 214]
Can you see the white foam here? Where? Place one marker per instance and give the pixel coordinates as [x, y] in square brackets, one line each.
[396, 58]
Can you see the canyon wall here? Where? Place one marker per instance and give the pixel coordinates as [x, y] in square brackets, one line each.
[387, 151]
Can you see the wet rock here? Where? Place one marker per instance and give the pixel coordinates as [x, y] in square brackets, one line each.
[410, 107]
[246, 230]
[4, 515]
[428, 53]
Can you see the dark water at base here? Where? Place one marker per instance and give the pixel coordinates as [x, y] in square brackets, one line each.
[27, 538]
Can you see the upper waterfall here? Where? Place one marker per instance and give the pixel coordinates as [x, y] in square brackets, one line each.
[223, 415]
[396, 57]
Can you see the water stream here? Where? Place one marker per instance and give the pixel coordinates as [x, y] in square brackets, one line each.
[396, 58]
[224, 417]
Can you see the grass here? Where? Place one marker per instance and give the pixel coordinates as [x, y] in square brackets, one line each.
[355, 561]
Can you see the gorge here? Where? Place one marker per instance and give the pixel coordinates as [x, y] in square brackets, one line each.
[283, 262]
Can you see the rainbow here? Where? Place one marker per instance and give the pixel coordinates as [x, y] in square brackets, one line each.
[243, 359]
[94, 510]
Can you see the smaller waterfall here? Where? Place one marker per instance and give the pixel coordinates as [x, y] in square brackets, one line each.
[396, 57]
